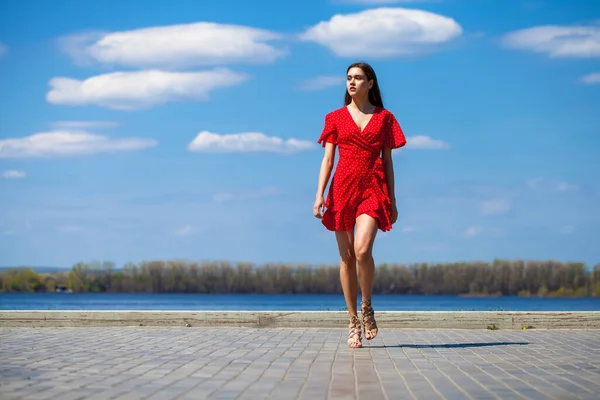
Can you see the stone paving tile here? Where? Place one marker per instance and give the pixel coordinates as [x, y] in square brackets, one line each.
[224, 363]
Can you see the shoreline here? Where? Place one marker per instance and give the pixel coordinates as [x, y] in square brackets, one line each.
[461, 295]
[492, 320]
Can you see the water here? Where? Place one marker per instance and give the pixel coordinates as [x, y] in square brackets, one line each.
[282, 302]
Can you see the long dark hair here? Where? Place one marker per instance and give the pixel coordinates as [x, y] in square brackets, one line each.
[374, 93]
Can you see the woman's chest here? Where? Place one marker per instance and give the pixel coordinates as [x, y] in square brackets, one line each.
[367, 131]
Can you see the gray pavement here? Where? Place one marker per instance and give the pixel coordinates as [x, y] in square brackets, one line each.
[289, 363]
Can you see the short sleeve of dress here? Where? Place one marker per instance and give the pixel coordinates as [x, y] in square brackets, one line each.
[329, 134]
[393, 135]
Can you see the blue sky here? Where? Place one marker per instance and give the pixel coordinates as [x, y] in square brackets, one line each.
[181, 130]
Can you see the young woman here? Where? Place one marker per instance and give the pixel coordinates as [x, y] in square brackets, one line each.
[361, 194]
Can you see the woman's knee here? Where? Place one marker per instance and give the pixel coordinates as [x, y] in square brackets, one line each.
[366, 230]
[363, 251]
[348, 257]
[345, 241]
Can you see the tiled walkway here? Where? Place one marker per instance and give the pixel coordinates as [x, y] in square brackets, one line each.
[225, 363]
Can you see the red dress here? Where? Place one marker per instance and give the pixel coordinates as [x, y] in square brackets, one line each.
[358, 185]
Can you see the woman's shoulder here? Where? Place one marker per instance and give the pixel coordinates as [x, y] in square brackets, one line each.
[334, 115]
[387, 114]
[337, 111]
[384, 111]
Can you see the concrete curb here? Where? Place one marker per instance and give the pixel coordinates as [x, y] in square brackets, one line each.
[506, 320]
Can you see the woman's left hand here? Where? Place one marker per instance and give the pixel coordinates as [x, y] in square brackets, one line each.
[394, 213]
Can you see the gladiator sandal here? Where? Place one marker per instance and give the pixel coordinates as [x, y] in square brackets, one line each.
[368, 317]
[354, 333]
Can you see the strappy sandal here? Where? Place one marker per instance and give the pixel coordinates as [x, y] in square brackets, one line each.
[368, 317]
[354, 333]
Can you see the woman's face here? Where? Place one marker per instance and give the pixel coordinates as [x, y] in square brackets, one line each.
[357, 83]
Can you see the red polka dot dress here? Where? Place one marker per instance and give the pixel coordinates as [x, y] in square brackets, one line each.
[359, 185]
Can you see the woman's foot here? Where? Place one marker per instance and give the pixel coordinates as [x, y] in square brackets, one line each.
[368, 317]
[354, 333]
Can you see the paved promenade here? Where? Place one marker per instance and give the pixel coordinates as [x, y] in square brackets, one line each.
[289, 363]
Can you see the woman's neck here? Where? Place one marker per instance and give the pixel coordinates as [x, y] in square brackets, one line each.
[361, 104]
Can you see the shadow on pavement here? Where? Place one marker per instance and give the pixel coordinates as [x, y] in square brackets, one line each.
[450, 345]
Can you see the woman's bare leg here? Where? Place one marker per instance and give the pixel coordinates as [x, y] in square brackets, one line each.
[366, 230]
[345, 241]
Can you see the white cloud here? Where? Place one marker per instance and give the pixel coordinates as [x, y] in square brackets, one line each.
[68, 143]
[140, 89]
[321, 83]
[3, 48]
[591, 79]
[222, 197]
[83, 124]
[255, 141]
[75, 45]
[383, 32]
[425, 143]
[565, 187]
[185, 230]
[495, 206]
[408, 229]
[246, 142]
[542, 183]
[472, 231]
[12, 174]
[175, 46]
[557, 41]
[535, 182]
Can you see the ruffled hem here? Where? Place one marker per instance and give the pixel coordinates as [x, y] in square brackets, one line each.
[329, 132]
[380, 207]
[337, 221]
[394, 136]
[327, 138]
[398, 144]
[383, 221]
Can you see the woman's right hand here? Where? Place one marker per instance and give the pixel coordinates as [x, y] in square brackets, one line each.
[319, 207]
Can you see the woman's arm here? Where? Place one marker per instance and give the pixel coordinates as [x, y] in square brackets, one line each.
[388, 167]
[326, 168]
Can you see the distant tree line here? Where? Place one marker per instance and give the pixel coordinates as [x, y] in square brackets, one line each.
[498, 278]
